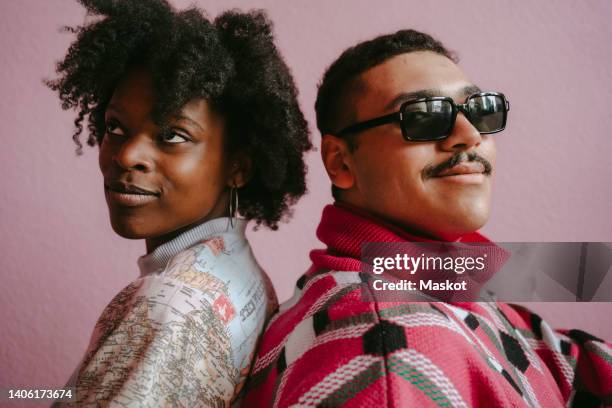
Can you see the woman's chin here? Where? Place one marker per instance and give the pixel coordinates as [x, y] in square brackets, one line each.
[129, 230]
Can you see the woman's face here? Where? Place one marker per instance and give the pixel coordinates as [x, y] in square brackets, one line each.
[158, 184]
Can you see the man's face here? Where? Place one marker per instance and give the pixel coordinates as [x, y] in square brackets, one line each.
[392, 178]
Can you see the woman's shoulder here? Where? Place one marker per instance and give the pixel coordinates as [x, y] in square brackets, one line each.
[214, 261]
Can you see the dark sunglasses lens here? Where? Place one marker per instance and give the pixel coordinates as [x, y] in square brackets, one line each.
[427, 120]
[487, 113]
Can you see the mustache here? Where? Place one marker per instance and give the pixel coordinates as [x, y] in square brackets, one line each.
[433, 171]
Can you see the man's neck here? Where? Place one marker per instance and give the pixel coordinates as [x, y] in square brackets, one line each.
[400, 229]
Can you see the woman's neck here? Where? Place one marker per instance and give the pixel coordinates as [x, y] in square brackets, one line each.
[155, 242]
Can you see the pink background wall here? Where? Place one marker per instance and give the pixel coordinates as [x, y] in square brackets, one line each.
[60, 262]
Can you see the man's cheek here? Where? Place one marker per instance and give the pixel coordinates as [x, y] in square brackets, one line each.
[490, 152]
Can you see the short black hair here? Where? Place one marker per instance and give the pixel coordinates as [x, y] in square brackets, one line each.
[340, 77]
[232, 62]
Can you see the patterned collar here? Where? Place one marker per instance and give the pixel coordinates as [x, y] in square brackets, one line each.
[157, 260]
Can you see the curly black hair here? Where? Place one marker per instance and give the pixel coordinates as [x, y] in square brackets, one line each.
[339, 79]
[232, 62]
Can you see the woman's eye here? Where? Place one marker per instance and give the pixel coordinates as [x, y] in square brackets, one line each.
[173, 137]
[113, 128]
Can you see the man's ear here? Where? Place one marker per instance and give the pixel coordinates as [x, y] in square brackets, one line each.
[338, 161]
[240, 169]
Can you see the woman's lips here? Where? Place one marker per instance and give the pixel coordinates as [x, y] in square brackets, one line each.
[129, 199]
[129, 195]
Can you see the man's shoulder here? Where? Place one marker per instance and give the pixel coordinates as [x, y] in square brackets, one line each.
[340, 299]
[324, 308]
[314, 293]
[328, 309]
[328, 345]
[328, 336]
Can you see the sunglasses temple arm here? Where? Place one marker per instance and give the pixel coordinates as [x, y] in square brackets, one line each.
[383, 120]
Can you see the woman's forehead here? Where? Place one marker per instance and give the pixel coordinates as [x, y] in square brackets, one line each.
[134, 93]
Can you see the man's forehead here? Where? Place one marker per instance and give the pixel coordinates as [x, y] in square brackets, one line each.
[414, 75]
[459, 94]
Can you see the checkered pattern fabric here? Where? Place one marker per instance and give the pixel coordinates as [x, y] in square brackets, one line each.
[328, 348]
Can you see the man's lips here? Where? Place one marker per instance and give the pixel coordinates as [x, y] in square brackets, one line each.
[463, 168]
[461, 165]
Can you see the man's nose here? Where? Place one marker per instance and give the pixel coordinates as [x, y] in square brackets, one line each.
[463, 137]
[135, 153]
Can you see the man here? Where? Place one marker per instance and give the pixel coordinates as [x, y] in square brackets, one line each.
[409, 147]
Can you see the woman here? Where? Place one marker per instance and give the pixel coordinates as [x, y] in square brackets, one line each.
[196, 121]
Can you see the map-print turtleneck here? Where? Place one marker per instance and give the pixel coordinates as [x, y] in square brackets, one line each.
[184, 333]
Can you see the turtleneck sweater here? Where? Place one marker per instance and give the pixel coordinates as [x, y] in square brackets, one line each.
[184, 333]
[329, 347]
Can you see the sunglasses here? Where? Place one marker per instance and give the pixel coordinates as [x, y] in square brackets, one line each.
[428, 119]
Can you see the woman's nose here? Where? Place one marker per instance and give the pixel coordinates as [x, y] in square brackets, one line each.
[135, 153]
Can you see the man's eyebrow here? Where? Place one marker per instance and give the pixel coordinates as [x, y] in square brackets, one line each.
[469, 90]
[429, 93]
[407, 96]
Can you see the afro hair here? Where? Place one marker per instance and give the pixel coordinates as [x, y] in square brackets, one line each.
[230, 61]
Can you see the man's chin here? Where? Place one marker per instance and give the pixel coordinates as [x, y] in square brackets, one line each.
[446, 223]
[464, 223]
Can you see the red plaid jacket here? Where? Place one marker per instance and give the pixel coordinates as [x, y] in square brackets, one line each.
[328, 348]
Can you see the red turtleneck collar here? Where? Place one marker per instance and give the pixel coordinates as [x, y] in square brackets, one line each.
[344, 228]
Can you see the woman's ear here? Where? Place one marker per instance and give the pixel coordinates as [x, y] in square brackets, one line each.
[240, 170]
[337, 159]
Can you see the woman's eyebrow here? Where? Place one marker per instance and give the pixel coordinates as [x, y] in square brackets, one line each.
[116, 108]
[193, 122]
